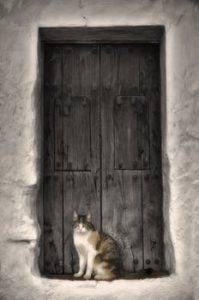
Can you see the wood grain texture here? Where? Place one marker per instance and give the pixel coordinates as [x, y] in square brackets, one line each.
[52, 102]
[152, 181]
[127, 70]
[121, 189]
[81, 193]
[143, 132]
[131, 128]
[122, 217]
[76, 134]
[122, 34]
[102, 150]
[81, 72]
[152, 221]
[53, 234]
[81, 141]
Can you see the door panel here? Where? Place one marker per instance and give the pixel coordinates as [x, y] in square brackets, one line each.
[131, 140]
[131, 146]
[76, 135]
[102, 150]
[121, 189]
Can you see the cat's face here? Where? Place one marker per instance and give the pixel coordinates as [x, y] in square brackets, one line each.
[82, 223]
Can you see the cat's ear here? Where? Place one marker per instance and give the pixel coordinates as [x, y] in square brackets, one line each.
[88, 217]
[75, 216]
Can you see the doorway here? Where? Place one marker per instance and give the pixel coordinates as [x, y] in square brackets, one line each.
[102, 150]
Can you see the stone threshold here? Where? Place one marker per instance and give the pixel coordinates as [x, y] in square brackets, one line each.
[144, 274]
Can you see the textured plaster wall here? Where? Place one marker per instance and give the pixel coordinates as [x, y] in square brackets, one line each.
[20, 133]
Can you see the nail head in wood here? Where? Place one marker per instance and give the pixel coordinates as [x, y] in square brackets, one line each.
[120, 165]
[108, 87]
[148, 261]
[119, 100]
[135, 177]
[84, 101]
[94, 51]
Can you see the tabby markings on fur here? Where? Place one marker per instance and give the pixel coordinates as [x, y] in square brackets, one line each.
[98, 252]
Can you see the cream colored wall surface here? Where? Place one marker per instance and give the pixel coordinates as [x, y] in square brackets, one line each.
[19, 145]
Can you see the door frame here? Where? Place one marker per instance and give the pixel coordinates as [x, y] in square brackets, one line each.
[119, 34]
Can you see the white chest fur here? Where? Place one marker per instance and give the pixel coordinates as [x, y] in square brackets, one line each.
[82, 243]
[86, 253]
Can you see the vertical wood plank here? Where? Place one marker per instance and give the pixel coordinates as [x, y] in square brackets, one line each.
[122, 216]
[128, 70]
[80, 194]
[82, 183]
[109, 90]
[150, 88]
[152, 221]
[131, 127]
[76, 138]
[121, 189]
[143, 132]
[52, 102]
[125, 134]
[77, 107]
[152, 181]
[53, 254]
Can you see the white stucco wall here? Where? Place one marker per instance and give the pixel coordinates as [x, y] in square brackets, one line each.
[19, 159]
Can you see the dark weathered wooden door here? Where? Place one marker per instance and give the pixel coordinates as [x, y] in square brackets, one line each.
[71, 148]
[102, 150]
[131, 153]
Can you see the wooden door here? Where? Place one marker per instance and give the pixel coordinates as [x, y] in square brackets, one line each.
[131, 153]
[71, 151]
[102, 150]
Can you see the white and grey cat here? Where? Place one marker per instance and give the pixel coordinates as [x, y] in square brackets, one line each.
[98, 252]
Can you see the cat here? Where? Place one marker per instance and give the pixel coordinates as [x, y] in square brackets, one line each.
[98, 252]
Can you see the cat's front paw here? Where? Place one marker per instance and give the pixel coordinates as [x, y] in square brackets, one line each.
[87, 276]
[77, 274]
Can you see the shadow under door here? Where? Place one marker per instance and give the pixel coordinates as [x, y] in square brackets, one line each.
[102, 150]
